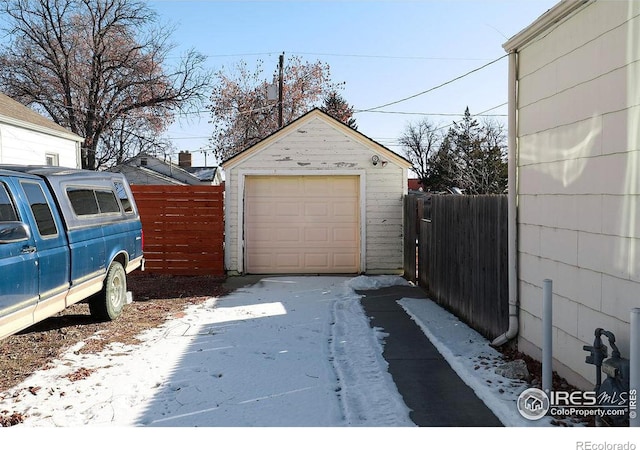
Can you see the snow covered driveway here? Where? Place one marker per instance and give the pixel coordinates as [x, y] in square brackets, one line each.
[287, 351]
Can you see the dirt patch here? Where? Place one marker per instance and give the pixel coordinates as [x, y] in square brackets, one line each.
[156, 299]
[558, 384]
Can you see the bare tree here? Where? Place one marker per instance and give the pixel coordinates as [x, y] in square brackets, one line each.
[242, 111]
[96, 66]
[421, 143]
[494, 173]
[479, 152]
[469, 155]
[129, 137]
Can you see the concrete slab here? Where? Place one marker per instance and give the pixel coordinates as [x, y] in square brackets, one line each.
[429, 386]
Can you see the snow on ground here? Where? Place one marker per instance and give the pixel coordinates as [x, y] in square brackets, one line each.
[290, 351]
[284, 352]
[473, 359]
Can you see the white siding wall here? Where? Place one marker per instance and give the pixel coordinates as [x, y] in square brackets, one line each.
[315, 146]
[22, 146]
[579, 184]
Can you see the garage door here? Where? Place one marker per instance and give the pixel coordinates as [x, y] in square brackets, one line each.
[302, 224]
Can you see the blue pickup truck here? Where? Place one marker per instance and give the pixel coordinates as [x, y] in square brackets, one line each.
[66, 235]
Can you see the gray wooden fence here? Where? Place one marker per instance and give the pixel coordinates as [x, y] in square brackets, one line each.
[460, 257]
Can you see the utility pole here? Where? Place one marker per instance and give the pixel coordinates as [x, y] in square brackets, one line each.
[280, 86]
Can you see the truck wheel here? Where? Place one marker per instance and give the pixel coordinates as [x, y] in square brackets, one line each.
[108, 304]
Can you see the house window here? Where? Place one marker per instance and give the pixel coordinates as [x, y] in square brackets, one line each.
[143, 162]
[52, 159]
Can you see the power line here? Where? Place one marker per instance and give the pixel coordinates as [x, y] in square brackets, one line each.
[480, 114]
[428, 58]
[377, 112]
[343, 55]
[474, 115]
[435, 114]
[491, 109]
[433, 88]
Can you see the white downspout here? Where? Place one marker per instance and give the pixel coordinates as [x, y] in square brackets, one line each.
[78, 155]
[512, 131]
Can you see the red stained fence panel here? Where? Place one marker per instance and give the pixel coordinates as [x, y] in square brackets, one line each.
[183, 228]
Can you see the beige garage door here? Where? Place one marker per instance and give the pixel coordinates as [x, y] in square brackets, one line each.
[302, 224]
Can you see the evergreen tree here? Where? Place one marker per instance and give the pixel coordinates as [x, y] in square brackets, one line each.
[338, 108]
[479, 152]
[470, 156]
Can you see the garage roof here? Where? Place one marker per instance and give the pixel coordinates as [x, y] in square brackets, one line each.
[313, 114]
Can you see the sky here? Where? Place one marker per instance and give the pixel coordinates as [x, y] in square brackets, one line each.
[384, 51]
[293, 354]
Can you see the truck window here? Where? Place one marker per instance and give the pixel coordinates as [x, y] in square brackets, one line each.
[83, 201]
[7, 209]
[122, 195]
[86, 202]
[40, 209]
[107, 202]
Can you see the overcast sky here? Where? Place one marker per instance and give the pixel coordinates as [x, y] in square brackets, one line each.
[384, 51]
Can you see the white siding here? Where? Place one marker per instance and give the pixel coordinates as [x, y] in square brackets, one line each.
[579, 189]
[23, 146]
[316, 146]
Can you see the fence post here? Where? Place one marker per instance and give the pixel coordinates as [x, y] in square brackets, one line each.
[424, 253]
[410, 234]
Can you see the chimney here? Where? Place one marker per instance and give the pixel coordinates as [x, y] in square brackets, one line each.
[184, 159]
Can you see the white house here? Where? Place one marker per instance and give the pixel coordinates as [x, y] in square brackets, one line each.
[26, 137]
[315, 197]
[575, 147]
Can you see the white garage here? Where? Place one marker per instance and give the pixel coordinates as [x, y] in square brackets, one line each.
[314, 197]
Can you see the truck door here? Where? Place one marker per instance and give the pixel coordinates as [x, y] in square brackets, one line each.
[18, 259]
[51, 242]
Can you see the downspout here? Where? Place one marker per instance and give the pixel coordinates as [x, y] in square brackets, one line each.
[78, 155]
[512, 201]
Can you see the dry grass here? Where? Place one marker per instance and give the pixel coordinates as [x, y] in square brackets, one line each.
[156, 298]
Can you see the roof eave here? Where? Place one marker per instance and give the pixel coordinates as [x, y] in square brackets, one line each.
[41, 129]
[157, 175]
[315, 112]
[544, 22]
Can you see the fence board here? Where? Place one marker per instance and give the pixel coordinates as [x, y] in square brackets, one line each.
[462, 257]
[410, 236]
[183, 228]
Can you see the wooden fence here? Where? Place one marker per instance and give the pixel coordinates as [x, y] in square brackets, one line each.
[183, 228]
[461, 256]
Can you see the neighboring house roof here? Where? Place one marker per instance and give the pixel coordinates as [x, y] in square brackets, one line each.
[149, 175]
[163, 170]
[544, 22]
[16, 114]
[316, 113]
[204, 173]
